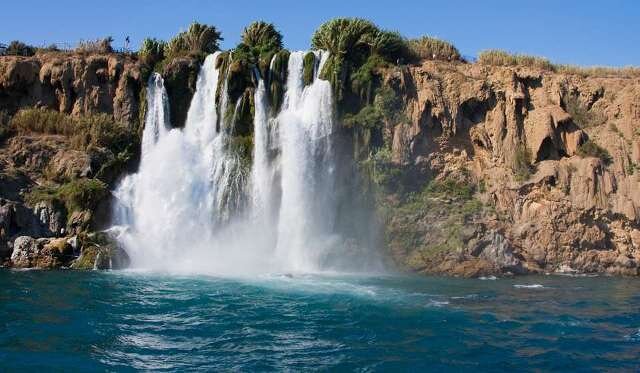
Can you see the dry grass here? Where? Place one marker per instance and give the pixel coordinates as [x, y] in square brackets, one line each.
[600, 71]
[502, 58]
[428, 48]
[97, 129]
[496, 57]
[95, 46]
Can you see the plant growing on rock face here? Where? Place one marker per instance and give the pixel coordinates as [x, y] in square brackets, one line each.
[308, 67]
[76, 195]
[198, 41]
[522, 163]
[591, 149]
[580, 113]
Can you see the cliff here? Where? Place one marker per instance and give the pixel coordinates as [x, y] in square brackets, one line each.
[552, 160]
[481, 170]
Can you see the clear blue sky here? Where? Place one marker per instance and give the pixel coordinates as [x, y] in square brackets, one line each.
[586, 32]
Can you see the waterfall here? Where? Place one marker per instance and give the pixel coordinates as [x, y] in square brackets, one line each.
[174, 203]
[157, 116]
[185, 210]
[307, 209]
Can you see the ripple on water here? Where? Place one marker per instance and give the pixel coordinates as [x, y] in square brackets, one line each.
[114, 321]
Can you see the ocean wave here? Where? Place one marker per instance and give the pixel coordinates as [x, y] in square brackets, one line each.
[529, 286]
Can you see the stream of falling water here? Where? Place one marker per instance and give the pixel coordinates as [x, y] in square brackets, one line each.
[183, 210]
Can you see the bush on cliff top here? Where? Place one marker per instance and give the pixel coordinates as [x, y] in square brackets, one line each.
[262, 37]
[95, 46]
[428, 48]
[152, 51]
[198, 41]
[18, 48]
[352, 43]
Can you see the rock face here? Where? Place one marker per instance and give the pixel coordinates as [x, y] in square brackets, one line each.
[73, 84]
[515, 133]
[107, 257]
[180, 77]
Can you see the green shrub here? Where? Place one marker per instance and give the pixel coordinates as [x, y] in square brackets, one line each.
[198, 41]
[350, 37]
[449, 188]
[18, 48]
[309, 63]
[152, 51]
[84, 131]
[428, 48]
[262, 37]
[591, 149]
[366, 77]
[581, 114]
[95, 46]
[352, 42]
[76, 195]
[522, 163]
[386, 106]
[278, 80]
[368, 117]
[43, 121]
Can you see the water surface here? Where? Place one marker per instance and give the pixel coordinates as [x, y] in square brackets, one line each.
[100, 321]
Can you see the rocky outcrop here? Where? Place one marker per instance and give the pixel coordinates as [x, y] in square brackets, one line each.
[41, 253]
[516, 135]
[180, 77]
[74, 84]
[107, 257]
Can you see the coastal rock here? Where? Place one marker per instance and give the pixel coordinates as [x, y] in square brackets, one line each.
[102, 257]
[42, 253]
[497, 250]
[515, 134]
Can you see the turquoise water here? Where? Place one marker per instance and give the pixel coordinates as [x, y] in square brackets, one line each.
[121, 321]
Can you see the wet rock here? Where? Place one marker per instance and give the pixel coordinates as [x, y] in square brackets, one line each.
[101, 257]
[497, 250]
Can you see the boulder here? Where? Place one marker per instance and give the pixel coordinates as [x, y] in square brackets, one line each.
[41, 253]
[495, 249]
[101, 257]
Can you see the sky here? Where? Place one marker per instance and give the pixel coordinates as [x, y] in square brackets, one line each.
[586, 32]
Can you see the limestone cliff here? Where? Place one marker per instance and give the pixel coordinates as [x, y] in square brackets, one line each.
[521, 137]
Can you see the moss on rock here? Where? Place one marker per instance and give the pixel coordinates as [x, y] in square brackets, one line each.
[309, 65]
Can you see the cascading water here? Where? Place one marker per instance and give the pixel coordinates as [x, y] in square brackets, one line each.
[307, 209]
[157, 116]
[176, 201]
[184, 210]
